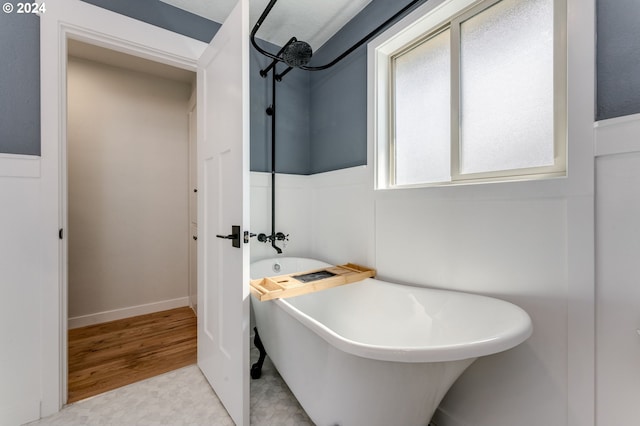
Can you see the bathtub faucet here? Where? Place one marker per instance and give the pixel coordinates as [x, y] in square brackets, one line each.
[278, 236]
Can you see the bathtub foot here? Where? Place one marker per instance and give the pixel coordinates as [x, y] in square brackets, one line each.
[256, 369]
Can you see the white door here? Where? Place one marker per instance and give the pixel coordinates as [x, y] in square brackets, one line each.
[223, 202]
[193, 206]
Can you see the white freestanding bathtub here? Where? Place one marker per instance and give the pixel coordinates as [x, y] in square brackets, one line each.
[376, 353]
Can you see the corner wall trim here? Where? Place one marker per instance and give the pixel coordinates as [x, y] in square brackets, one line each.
[132, 311]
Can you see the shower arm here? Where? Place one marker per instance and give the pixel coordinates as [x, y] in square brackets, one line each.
[277, 58]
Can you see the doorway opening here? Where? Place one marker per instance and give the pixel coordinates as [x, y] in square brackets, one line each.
[130, 176]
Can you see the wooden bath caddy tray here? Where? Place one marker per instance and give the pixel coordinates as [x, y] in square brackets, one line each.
[309, 281]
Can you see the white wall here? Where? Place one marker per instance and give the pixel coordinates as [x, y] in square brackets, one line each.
[516, 241]
[292, 214]
[618, 271]
[512, 246]
[21, 284]
[343, 217]
[328, 216]
[127, 154]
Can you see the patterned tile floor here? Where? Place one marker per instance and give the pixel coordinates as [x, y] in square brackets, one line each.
[182, 397]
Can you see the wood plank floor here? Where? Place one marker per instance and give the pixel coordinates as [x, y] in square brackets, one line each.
[107, 356]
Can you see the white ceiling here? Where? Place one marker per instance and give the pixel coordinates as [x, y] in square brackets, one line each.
[313, 21]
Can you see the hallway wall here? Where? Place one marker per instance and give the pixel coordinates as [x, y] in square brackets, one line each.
[128, 190]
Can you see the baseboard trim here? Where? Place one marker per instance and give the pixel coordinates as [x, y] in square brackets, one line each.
[132, 311]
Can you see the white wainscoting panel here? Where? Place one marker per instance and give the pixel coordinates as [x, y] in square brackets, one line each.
[21, 297]
[342, 212]
[618, 271]
[293, 199]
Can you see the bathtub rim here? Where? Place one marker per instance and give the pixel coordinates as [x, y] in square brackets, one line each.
[441, 353]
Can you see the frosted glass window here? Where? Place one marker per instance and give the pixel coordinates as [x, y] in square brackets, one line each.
[423, 112]
[473, 91]
[506, 87]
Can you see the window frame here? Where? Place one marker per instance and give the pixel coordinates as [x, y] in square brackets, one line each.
[451, 14]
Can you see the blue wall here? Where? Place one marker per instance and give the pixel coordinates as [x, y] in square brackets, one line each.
[20, 64]
[321, 115]
[19, 84]
[618, 58]
[339, 94]
[292, 118]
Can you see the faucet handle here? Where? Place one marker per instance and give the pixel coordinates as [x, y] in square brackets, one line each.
[282, 237]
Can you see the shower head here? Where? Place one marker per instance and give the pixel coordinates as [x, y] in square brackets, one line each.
[297, 54]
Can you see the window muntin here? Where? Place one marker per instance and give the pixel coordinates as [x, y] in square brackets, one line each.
[506, 109]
